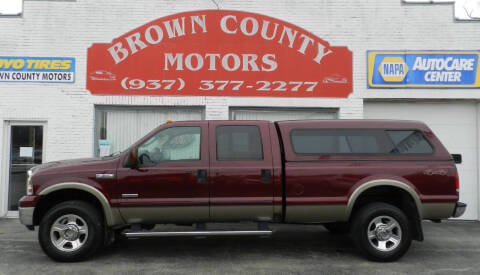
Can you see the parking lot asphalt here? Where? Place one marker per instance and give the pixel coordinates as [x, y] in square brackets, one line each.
[452, 247]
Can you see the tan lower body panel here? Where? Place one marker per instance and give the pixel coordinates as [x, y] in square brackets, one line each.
[437, 210]
[338, 213]
[116, 218]
[168, 214]
[189, 214]
[316, 213]
[233, 213]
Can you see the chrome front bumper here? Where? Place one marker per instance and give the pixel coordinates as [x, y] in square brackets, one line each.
[26, 215]
[460, 208]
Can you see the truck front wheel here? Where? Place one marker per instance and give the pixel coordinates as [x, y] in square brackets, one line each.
[71, 231]
[381, 232]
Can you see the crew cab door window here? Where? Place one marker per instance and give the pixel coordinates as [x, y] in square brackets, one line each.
[171, 144]
[239, 143]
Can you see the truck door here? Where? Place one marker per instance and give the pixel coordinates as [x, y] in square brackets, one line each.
[241, 184]
[171, 181]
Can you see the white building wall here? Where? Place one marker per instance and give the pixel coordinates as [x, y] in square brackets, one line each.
[68, 28]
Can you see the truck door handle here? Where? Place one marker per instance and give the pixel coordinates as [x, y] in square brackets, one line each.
[201, 176]
[266, 175]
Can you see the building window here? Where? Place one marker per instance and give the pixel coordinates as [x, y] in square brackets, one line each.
[118, 127]
[11, 7]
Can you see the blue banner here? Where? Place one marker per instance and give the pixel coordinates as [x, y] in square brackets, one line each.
[427, 69]
[37, 69]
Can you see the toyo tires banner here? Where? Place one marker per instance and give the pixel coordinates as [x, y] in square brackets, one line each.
[219, 53]
[426, 69]
[37, 69]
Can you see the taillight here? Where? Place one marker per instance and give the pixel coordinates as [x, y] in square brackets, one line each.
[457, 182]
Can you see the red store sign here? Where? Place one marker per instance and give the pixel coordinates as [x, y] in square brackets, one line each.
[219, 53]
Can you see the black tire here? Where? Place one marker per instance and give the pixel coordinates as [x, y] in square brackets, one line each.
[92, 240]
[382, 213]
[337, 228]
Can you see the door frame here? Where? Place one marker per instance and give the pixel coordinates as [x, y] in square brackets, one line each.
[5, 169]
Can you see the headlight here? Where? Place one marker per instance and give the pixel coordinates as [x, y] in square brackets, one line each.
[29, 183]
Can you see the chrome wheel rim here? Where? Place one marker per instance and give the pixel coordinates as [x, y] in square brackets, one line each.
[69, 233]
[384, 233]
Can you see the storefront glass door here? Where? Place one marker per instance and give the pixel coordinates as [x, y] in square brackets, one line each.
[26, 151]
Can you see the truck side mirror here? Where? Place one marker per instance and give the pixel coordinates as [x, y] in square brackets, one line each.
[132, 158]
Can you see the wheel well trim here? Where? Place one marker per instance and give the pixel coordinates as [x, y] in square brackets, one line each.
[107, 210]
[383, 182]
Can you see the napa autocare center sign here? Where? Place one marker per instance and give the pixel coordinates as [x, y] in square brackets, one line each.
[423, 69]
[37, 69]
[219, 53]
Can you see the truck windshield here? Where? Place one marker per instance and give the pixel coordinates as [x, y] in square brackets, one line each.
[171, 144]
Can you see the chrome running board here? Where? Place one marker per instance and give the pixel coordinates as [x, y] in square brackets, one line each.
[140, 234]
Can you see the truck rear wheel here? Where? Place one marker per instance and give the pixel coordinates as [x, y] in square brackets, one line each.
[71, 231]
[381, 232]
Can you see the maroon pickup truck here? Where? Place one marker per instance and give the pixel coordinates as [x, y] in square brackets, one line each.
[373, 179]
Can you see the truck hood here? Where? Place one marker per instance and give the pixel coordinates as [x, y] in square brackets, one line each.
[68, 163]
